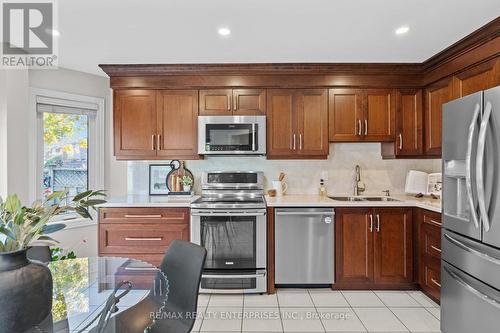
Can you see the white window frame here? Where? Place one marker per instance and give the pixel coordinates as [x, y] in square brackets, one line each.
[95, 144]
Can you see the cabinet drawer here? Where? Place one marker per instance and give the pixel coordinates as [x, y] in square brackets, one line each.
[431, 240]
[432, 218]
[143, 215]
[432, 280]
[140, 238]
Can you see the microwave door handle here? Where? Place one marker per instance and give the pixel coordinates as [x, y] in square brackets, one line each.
[479, 167]
[468, 167]
[253, 137]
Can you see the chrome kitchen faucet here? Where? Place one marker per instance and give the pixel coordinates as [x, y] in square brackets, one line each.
[357, 187]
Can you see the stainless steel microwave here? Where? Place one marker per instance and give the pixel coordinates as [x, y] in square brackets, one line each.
[228, 135]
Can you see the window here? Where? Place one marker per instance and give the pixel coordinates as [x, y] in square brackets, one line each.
[69, 145]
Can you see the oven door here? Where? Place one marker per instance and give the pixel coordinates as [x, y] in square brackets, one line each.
[227, 135]
[236, 249]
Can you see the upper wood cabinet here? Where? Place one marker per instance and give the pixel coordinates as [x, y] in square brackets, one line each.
[361, 115]
[436, 95]
[373, 247]
[297, 123]
[150, 124]
[177, 114]
[481, 77]
[409, 129]
[134, 122]
[224, 102]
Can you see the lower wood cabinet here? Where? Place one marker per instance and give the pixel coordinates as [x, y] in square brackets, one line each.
[141, 233]
[373, 248]
[429, 253]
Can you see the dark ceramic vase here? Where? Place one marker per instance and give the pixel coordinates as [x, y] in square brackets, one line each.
[25, 292]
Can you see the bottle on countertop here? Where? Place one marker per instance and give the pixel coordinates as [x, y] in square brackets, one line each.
[322, 189]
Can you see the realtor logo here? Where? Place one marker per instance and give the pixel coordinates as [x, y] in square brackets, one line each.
[28, 34]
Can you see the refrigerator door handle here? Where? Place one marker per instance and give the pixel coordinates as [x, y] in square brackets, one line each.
[481, 144]
[473, 290]
[468, 164]
[469, 249]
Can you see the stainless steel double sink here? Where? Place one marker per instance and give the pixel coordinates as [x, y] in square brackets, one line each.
[356, 198]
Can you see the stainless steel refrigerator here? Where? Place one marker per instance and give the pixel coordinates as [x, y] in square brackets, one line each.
[470, 270]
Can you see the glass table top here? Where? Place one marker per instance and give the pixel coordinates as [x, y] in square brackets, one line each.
[85, 291]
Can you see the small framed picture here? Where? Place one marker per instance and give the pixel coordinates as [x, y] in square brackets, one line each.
[158, 178]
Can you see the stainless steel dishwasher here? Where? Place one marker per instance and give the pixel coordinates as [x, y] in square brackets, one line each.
[304, 246]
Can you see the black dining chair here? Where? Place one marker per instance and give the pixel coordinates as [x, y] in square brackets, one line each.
[39, 253]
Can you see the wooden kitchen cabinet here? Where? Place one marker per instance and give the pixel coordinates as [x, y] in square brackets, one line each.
[227, 102]
[373, 248]
[409, 126]
[141, 233]
[477, 78]
[134, 121]
[155, 124]
[297, 123]
[361, 115]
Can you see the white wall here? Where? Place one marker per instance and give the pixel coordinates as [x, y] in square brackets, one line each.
[303, 176]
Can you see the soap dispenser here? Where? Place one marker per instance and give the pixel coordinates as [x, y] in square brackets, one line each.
[322, 189]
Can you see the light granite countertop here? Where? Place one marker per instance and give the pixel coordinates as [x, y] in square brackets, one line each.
[296, 200]
[149, 201]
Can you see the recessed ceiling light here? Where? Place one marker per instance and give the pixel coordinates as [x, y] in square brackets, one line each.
[223, 31]
[402, 30]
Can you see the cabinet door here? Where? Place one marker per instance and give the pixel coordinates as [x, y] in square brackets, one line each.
[345, 115]
[312, 122]
[134, 123]
[177, 123]
[481, 77]
[354, 245]
[409, 138]
[393, 245]
[249, 102]
[435, 96]
[379, 121]
[281, 124]
[216, 102]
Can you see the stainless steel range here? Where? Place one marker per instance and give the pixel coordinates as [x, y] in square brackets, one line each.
[229, 220]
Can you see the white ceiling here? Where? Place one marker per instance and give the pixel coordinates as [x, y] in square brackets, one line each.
[185, 31]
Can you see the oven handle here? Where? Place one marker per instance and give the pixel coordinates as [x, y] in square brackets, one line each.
[228, 213]
[232, 276]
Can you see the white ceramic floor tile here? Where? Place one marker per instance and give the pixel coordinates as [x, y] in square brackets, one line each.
[199, 319]
[362, 299]
[379, 320]
[340, 320]
[422, 299]
[291, 298]
[222, 319]
[252, 300]
[263, 319]
[436, 312]
[226, 300]
[417, 319]
[297, 319]
[325, 298]
[203, 300]
[397, 298]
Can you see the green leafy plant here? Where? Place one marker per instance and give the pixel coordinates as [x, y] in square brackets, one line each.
[186, 181]
[20, 226]
[56, 253]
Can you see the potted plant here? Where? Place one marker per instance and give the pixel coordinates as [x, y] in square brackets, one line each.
[25, 285]
[186, 183]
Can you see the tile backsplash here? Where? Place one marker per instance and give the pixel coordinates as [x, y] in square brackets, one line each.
[303, 176]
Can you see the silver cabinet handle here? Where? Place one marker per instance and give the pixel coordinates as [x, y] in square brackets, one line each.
[143, 216]
[378, 223]
[153, 142]
[294, 146]
[481, 144]
[366, 127]
[435, 248]
[228, 102]
[435, 222]
[359, 127]
[436, 283]
[473, 290]
[159, 142]
[143, 238]
[468, 167]
[300, 141]
[400, 141]
[469, 249]
[371, 223]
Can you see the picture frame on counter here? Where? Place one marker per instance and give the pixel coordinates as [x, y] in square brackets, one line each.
[158, 179]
